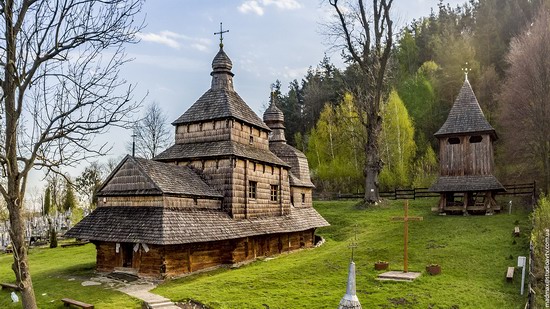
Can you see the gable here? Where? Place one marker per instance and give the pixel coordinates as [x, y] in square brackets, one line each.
[128, 178]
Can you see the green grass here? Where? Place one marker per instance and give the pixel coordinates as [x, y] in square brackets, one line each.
[474, 252]
[52, 270]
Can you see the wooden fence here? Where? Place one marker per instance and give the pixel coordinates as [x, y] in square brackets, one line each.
[414, 193]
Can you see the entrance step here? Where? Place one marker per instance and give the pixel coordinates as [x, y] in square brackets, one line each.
[124, 274]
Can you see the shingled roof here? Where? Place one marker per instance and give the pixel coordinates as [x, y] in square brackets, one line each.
[169, 226]
[221, 101]
[218, 149]
[141, 176]
[467, 184]
[466, 115]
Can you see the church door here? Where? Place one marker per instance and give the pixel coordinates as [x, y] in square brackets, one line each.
[127, 254]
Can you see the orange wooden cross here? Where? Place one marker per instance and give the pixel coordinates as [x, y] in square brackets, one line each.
[406, 219]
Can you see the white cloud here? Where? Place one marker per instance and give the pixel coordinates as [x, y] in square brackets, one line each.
[258, 6]
[175, 40]
[251, 6]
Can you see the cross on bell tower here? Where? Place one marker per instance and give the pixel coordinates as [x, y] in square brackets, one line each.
[221, 34]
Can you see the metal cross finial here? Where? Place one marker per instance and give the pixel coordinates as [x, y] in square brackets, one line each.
[353, 244]
[466, 70]
[221, 34]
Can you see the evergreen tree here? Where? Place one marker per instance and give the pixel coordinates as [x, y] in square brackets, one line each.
[47, 202]
[69, 199]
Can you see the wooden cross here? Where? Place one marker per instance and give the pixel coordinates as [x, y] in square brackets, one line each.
[221, 34]
[406, 219]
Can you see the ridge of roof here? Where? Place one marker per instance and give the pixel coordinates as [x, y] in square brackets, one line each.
[466, 115]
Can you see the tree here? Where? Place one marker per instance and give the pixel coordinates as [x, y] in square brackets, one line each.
[398, 146]
[89, 182]
[151, 134]
[47, 202]
[525, 102]
[69, 199]
[60, 88]
[367, 41]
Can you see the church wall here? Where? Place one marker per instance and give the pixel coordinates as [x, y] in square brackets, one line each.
[158, 201]
[176, 260]
[208, 131]
[216, 173]
[243, 133]
[296, 193]
[264, 175]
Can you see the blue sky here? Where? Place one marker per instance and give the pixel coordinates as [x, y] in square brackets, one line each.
[267, 40]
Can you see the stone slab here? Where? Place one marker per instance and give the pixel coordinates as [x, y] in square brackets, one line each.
[398, 276]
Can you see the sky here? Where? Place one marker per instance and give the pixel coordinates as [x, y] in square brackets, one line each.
[268, 40]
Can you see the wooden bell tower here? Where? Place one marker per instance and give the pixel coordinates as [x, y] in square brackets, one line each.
[466, 182]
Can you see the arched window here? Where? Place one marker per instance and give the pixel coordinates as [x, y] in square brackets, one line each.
[476, 139]
[453, 140]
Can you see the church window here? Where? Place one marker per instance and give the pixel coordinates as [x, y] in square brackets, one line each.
[303, 198]
[252, 186]
[254, 166]
[227, 123]
[251, 140]
[200, 126]
[263, 168]
[217, 164]
[187, 128]
[476, 139]
[214, 125]
[274, 193]
[453, 140]
[195, 201]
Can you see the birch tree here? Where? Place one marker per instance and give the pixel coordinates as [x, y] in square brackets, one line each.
[60, 88]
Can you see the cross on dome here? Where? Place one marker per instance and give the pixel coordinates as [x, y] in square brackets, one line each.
[221, 34]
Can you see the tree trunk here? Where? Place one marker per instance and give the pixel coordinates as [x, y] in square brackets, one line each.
[20, 258]
[374, 164]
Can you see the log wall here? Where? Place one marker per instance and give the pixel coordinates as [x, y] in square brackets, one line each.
[159, 201]
[296, 194]
[222, 130]
[175, 260]
[466, 158]
[243, 206]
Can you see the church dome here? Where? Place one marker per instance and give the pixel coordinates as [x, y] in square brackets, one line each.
[273, 114]
[222, 63]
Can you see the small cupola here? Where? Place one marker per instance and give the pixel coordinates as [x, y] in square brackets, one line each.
[275, 119]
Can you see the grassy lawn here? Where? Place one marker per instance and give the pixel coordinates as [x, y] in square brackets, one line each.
[58, 273]
[474, 252]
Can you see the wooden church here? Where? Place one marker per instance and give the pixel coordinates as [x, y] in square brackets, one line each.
[228, 191]
[466, 181]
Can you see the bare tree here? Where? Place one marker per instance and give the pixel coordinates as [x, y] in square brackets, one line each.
[525, 102]
[60, 88]
[366, 41]
[151, 134]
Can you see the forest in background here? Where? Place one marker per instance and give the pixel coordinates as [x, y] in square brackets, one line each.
[493, 39]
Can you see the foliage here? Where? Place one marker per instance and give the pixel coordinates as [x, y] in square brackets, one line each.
[540, 238]
[425, 169]
[69, 198]
[335, 149]
[397, 144]
[89, 182]
[525, 103]
[473, 253]
[59, 273]
[47, 202]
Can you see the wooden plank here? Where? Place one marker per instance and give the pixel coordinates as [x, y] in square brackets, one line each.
[68, 302]
[9, 286]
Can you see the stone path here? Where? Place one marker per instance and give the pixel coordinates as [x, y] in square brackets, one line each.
[141, 291]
